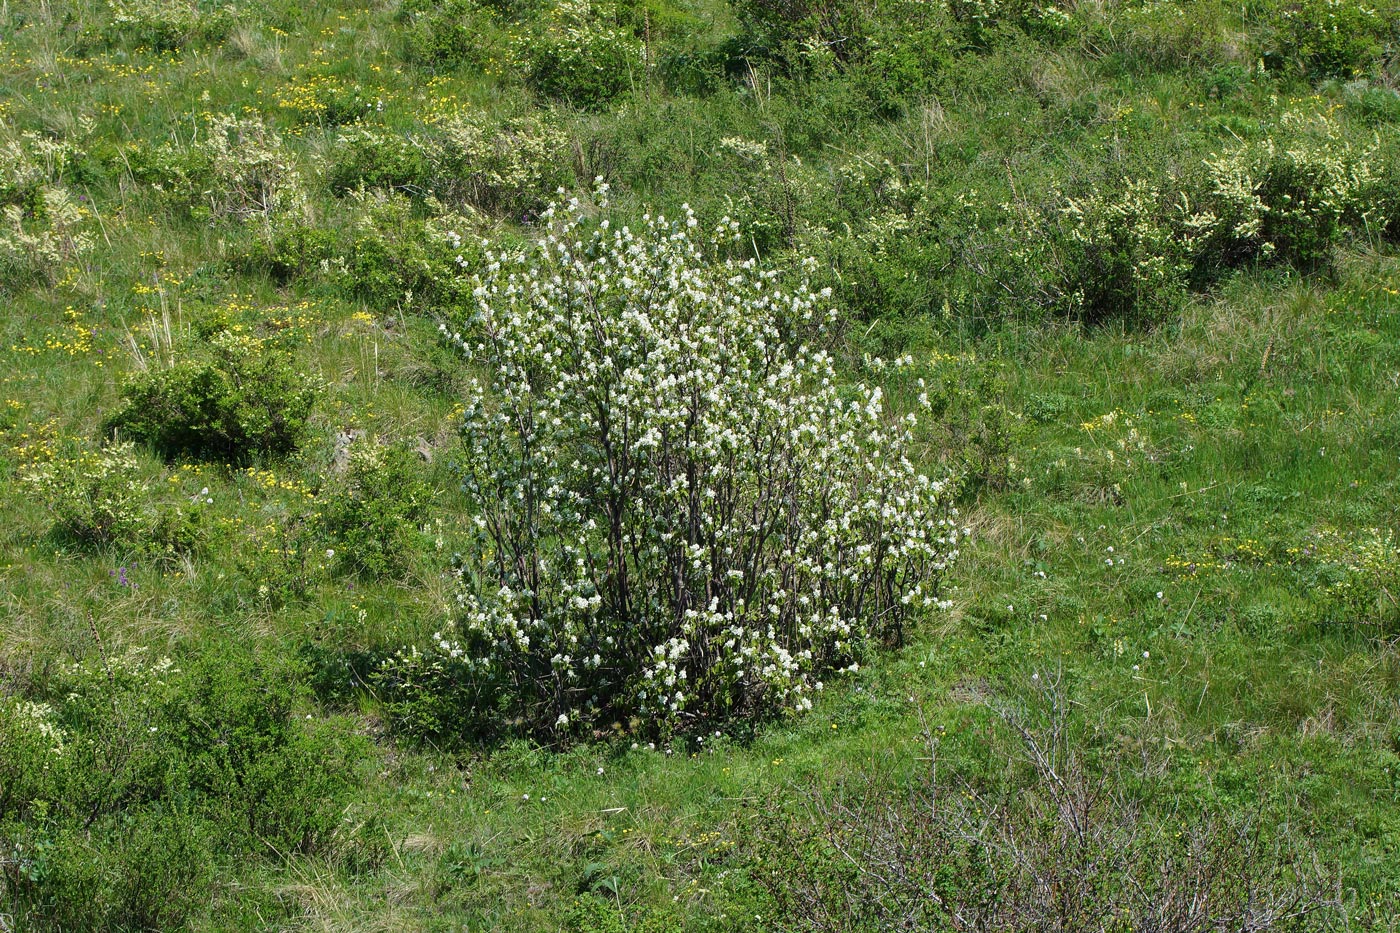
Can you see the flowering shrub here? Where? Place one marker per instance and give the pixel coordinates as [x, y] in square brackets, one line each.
[682, 514]
[97, 498]
[1359, 571]
[447, 34]
[396, 257]
[39, 239]
[375, 159]
[580, 59]
[28, 161]
[169, 24]
[1291, 195]
[1324, 38]
[1126, 252]
[509, 168]
[32, 740]
[101, 498]
[238, 169]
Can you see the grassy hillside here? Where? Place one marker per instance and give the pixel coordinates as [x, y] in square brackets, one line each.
[1138, 261]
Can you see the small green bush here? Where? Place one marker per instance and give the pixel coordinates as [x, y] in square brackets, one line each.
[291, 251]
[101, 499]
[511, 168]
[508, 168]
[280, 563]
[1328, 39]
[400, 258]
[235, 398]
[1122, 255]
[127, 785]
[446, 35]
[368, 158]
[371, 513]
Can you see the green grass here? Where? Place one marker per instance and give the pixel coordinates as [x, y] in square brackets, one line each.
[1189, 522]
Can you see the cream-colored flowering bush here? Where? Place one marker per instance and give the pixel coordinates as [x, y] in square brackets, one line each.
[39, 239]
[237, 169]
[169, 24]
[580, 57]
[1292, 194]
[96, 497]
[683, 514]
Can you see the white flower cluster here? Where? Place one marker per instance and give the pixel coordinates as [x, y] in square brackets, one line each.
[35, 721]
[681, 514]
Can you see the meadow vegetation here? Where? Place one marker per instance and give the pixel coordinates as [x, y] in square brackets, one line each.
[649, 465]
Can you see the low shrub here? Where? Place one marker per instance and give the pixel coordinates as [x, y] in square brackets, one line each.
[447, 35]
[1321, 38]
[1291, 195]
[291, 251]
[280, 563]
[97, 498]
[1124, 253]
[1062, 840]
[234, 398]
[167, 25]
[508, 168]
[370, 514]
[41, 237]
[512, 168]
[133, 780]
[398, 257]
[236, 169]
[365, 157]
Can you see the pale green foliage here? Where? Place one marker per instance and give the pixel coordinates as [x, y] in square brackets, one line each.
[42, 226]
[505, 167]
[236, 169]
[36, 243]
[681, 514]
[97, 497]
[22, 719]
[1366, 568]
